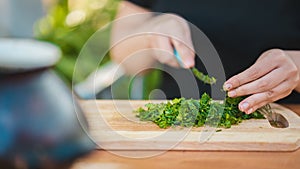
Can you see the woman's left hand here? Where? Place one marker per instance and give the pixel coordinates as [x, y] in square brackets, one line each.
[273, 76]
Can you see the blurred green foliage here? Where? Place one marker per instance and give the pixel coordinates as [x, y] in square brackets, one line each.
[69, 24]
[71, 28]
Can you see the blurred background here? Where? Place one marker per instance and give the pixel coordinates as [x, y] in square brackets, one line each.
[69, 24]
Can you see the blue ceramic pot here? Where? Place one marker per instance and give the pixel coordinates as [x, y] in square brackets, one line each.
[39, 116]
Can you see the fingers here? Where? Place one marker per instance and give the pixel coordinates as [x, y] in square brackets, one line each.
[178, 37]
[272, 77]
[185, 47]
[187, 54]
[255, 101]
[262, 84]
[256, 71]
[163, 51]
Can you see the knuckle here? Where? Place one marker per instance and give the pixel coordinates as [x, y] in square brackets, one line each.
[267, 53]
[270, 95]
[253, 73]
[293, 70]
[279, 55]
[241, 91]
[235, 80]
[173, 18]
[263, 84]
[292, 73]
[177, 20]
[276, 54]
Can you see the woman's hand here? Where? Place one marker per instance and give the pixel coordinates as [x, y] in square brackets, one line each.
[171, 31]
[274, 76]
[143, 38]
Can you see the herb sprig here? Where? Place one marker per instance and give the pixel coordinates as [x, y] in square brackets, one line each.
[204, 78]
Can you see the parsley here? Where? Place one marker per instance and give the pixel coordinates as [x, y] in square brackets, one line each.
[189, 112]
[194, 113]
[204, 78]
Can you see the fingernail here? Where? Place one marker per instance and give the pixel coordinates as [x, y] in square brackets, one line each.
[189, 63]
[249, 111]
[232, 93]
[244, 106]
[227, 86]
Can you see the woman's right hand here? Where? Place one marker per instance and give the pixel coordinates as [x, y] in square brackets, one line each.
[157, 37]
[171, 32]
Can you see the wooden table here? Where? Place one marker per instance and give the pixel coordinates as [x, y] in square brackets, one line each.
[194, 159]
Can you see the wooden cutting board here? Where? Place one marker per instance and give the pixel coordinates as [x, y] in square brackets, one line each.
[113, 126]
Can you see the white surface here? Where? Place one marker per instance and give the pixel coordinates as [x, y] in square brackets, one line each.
[27, 54]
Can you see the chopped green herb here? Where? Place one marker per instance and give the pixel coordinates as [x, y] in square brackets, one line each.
[194, 113]
[205, 78]
[189, 112]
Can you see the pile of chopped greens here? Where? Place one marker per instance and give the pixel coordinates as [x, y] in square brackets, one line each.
[194, 113]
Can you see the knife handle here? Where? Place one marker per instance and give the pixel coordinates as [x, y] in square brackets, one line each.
[178, 58]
